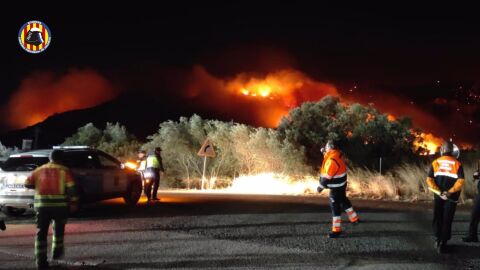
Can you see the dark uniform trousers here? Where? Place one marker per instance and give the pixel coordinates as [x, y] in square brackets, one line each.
[338, 200]
[443, 214]
[473, 230]
[46, 215]
[156, 182]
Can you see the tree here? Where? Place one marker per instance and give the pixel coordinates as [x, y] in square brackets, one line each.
[7, 151]
[362, 132]
[240, 149]
[114, 139]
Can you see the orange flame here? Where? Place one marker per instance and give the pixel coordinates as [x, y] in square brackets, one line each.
[428, 142]
[266, 97]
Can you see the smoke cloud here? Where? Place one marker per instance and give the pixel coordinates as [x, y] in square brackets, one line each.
[43, 94]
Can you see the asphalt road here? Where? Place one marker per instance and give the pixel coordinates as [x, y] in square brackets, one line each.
[200, 231]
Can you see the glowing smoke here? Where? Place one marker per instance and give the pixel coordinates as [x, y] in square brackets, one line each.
[265, 97]
[43, 94]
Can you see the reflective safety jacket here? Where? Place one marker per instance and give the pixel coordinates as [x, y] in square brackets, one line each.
[154, 161]
[446, 174]
[333, 173]
[54, 186]
[142, 164]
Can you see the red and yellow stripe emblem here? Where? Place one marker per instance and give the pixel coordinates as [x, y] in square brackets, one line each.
[44, 31]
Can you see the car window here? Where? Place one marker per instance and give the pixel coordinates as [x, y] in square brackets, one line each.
[107, 161]
[26, 163]
[80, 160]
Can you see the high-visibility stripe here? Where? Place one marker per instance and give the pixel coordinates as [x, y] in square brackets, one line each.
[336, 185]
[352, 215]
[324, 175]
[453, 175]
[42, 204]
[41, 197]
[336, 224]
[340, 175]
[61, 187]
[446, 161]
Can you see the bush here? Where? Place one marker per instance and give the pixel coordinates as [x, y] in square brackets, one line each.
[5, 151]
[114, 139]
[362, 132]
[240, 149]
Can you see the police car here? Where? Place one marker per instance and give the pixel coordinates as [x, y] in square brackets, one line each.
[98, 176]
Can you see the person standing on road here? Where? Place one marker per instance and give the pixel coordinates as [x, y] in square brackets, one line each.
[445, 178]
[473, 229]
[54, 194]
[142, 160]
[155, 163]
[333, 175]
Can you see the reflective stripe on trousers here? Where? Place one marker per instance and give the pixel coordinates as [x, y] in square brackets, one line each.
[336, 224]
[352, 215]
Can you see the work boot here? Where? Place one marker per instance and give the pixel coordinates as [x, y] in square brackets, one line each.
[155, 199]
[470, 239]
[57, 255]
[2, 225]
[42, 265]
[334, 234]
[436, 244]
[442, 248]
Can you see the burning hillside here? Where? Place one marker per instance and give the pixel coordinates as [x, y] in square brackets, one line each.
[43, 94]
[259, 99]
[268, 98]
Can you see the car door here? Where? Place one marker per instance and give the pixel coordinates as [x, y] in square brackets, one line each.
[87, 173]
[114, 179]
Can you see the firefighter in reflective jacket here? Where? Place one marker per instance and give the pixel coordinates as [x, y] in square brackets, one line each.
[54, 194]
[155, 164]
[445, 179]
[142, 160]
[333, 175]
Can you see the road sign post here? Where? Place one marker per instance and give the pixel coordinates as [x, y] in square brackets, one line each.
[206, 151]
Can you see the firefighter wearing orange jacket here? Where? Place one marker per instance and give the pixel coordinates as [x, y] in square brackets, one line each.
[445, 179]
[54, 194]
[333, 175]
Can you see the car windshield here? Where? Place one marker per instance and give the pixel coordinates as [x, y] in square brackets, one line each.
[27, 163]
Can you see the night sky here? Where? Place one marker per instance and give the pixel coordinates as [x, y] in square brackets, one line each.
[428, 56]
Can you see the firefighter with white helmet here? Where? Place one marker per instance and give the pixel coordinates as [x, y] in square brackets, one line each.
[445, 178]
[333, 175]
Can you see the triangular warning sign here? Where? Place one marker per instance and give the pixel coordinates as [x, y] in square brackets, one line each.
[207, 149]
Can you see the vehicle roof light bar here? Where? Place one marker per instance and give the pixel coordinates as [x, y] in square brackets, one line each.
[72, 147]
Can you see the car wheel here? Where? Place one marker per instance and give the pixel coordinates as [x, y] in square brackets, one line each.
[13, 211]
[133, 193]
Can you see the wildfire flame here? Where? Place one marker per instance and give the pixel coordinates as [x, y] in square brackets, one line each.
[267, 97]
[428, 142]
